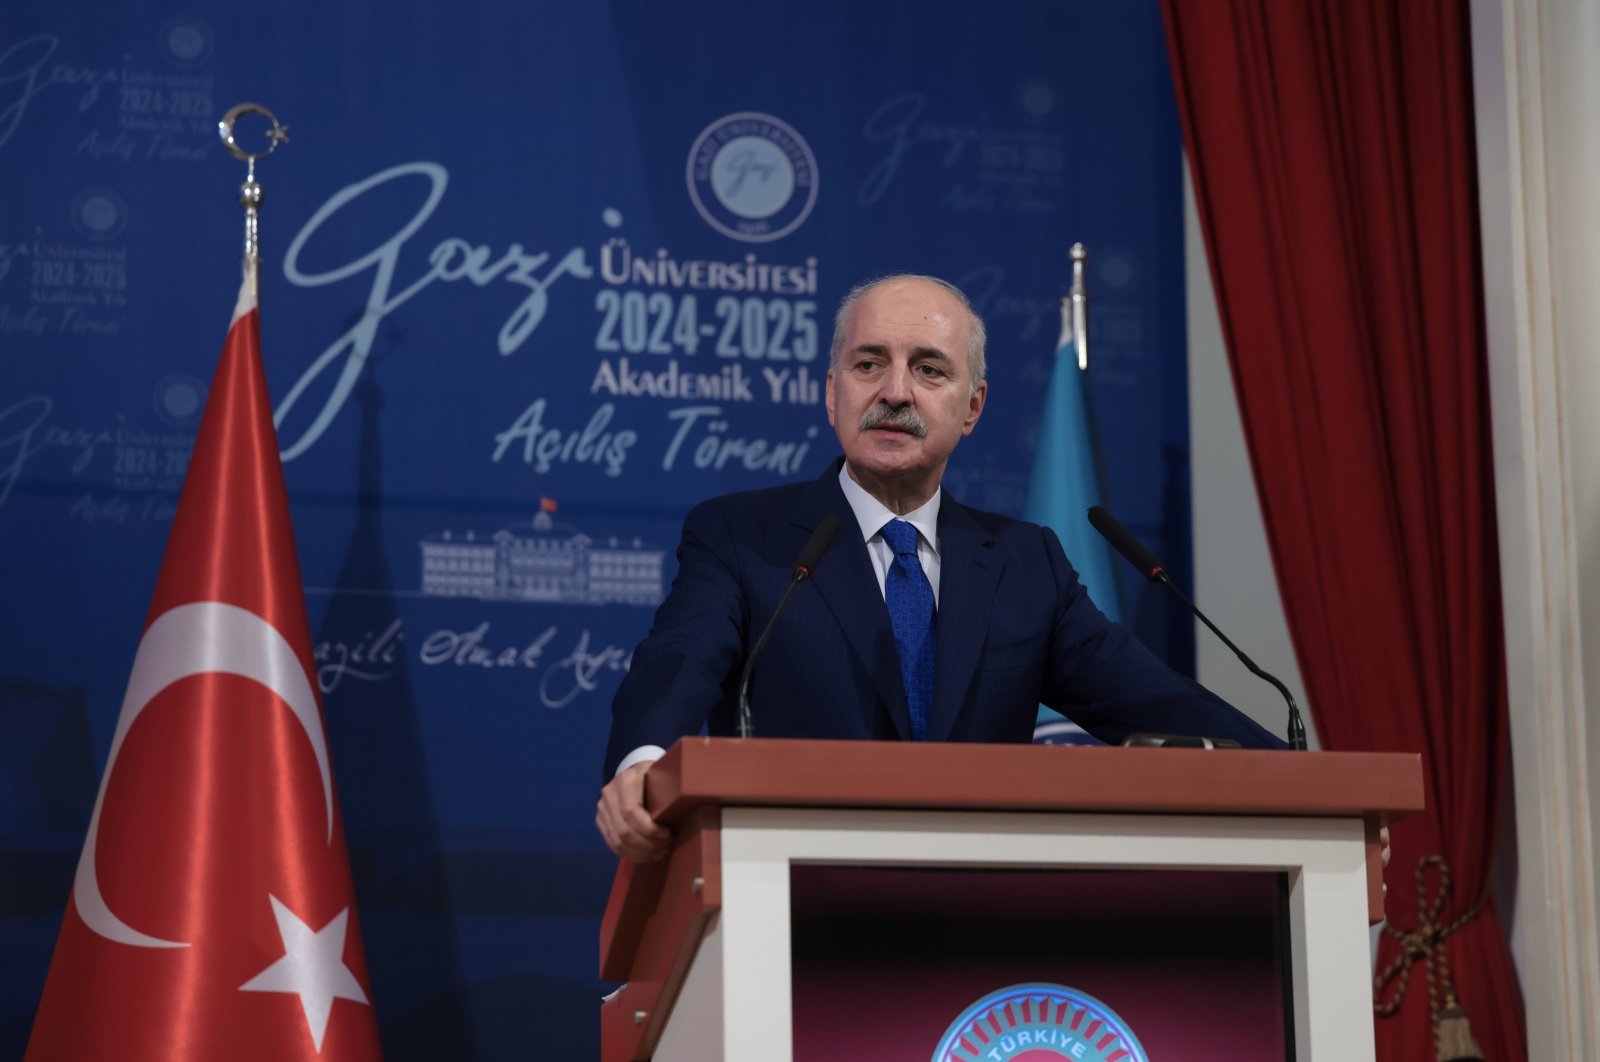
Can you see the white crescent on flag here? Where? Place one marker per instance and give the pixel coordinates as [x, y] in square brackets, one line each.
[197, 639]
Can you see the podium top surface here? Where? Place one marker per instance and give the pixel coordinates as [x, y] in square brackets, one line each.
[766, 772]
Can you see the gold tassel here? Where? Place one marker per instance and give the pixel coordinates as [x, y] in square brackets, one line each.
[1454, 1035]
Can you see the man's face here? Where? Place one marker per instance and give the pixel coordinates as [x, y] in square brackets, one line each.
[901, 396]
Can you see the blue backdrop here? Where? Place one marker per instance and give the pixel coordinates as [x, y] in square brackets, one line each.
[537, 277]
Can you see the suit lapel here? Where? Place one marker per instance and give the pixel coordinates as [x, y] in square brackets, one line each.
[968, 574]
[846, 583]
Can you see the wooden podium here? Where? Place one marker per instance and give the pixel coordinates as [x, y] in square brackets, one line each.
[1158, 843]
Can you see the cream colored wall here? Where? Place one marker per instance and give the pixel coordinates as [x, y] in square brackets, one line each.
[1537, 95]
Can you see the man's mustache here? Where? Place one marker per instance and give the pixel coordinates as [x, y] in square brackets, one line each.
[904, 418]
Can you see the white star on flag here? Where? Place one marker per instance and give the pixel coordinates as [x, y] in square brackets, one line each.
[312, 968]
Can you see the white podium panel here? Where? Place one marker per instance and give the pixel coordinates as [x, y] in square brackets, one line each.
[736, 1002]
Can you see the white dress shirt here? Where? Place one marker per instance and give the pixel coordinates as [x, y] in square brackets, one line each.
[872, 514]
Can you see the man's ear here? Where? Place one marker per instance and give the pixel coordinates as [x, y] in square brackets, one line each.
[975, 407]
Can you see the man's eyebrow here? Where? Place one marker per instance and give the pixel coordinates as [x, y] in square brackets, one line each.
[918, 353]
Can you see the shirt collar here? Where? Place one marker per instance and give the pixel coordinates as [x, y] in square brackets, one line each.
[872, 514]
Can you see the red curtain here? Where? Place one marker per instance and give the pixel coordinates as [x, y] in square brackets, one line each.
[1332, 150]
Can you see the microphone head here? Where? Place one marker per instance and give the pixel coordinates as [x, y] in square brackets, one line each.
[816, 546]
[1123, 542]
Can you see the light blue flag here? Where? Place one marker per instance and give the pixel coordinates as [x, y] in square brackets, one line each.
[1066, 479]
[1064, 485]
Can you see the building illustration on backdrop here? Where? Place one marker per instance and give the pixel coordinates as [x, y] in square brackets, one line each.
[542, 561]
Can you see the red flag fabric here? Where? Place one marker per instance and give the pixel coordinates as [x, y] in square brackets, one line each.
[213, 915]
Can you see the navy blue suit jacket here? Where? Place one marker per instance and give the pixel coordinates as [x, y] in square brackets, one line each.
[1015, 628]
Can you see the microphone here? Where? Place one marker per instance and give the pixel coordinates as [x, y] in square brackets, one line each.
[804, 565]
[1134, 551]
[815, 547]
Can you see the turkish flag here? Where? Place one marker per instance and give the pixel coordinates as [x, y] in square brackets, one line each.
[212, 916]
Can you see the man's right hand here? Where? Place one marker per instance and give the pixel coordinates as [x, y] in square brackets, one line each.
[623, 821]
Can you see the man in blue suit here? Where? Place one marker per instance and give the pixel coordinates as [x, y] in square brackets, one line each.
[926, 621]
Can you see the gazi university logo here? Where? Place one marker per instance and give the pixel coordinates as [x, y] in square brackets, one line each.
[752, 177]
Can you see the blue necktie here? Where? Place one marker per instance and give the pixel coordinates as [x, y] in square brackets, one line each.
[909, 595]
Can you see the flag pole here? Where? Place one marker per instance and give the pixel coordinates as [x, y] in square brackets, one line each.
[250, 191]
[1078, 295]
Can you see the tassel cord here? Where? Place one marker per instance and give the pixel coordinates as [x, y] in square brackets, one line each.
[1427, 942]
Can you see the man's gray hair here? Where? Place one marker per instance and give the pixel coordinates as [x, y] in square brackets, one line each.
[975, 360]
